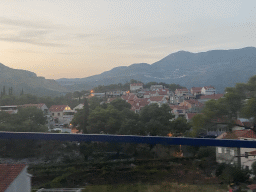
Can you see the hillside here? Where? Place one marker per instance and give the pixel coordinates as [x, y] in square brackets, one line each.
[29, 82]
[220, 68]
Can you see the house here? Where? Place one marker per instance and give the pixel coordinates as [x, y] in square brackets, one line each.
[205, 98]
[208, 90]
[181, 92]
[179, 111]
[114, 93]
[158, 99]
[193, 105]
[100, 95]
[154, 87]
[14, 178]
[62, 113]
[41, 106]
[243, 157]
[196, 91]
[165, 92]
[136, 86]
[189, 116]
[129, 97]
[78, 107]
[11, 109]
[138, 104]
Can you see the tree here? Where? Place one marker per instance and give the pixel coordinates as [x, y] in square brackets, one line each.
[249, 110]
[198, 123]
[180, 125]
[28, 119]
[120, 104]
[4, 90]
[254, 167]
[104, 120]
[81, 117]
[156, 119]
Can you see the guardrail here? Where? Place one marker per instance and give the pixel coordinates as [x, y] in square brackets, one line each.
[130, 139]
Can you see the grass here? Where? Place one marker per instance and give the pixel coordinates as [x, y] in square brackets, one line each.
[164, 187]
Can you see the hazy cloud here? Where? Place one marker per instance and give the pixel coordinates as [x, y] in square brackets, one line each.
[28, 24]
[30, 41]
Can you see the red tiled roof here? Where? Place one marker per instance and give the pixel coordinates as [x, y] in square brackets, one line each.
[180, 107]
[238, 122]
[247, 124]
[8, 172]
[194, 102]
[33, 105]
[252, 186]
[208, 87]
[157, 98]
[56, 108]
[247, 133]
[196, 89]
[142, 102]
[163, 92]
[182, 89]
[191, 115]
[214, 96]
[252, 153]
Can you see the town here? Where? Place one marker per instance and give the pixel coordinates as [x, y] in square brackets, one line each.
[152, 109]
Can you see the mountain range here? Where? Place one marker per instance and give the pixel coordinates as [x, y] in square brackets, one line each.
[219, 68]
[28, 81]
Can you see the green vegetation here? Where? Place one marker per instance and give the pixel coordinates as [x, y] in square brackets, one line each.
[164, 187]
[117, 118]
[28, 119]
[239, 100]
[126, 86]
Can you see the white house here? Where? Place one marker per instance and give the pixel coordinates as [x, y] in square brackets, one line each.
[136, 86]
[208, 90]
[14, 178]
[11, 109]
[62, 114]
[229, 154]
[154, 87]
[78, 107]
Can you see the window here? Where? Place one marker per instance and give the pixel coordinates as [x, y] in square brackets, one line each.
[58, 114]
[246, 155]
[219, 150]
[232, 152]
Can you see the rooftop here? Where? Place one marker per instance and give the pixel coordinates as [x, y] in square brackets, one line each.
[8, 172]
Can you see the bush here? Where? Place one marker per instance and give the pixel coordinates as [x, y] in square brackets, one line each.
[254, 167]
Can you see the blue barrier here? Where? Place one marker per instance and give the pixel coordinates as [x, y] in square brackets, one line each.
[129, 139]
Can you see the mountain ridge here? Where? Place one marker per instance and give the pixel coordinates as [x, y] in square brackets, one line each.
[185, 68]
[20, 79]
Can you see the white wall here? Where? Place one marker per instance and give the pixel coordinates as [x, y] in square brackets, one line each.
[22, 183]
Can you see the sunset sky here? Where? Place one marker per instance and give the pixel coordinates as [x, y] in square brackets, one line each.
[80, 38]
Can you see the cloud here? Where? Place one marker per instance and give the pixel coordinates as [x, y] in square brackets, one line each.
[38, 33]
[29, 24]
[30, 41]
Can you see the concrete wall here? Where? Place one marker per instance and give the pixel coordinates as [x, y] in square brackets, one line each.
[22, 183]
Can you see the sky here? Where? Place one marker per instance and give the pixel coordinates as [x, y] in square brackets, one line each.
[80, 38]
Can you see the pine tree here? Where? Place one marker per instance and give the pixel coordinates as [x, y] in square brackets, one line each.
[86, 115]
[21, 93]
[4, 90]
